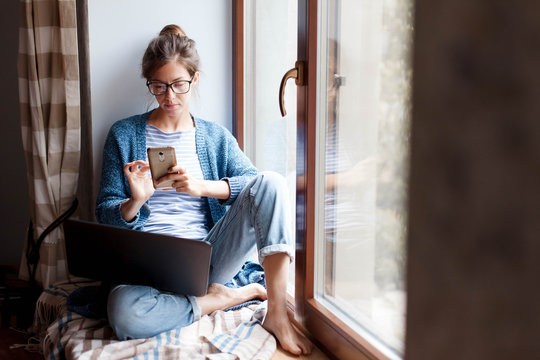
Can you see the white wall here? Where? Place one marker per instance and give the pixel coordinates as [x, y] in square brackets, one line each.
[119, 32]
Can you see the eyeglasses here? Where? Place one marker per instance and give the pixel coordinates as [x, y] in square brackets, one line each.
[160, 88]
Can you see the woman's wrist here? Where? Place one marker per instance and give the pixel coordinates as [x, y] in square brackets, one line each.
[130, 208]
[216, 189]
[136, 202]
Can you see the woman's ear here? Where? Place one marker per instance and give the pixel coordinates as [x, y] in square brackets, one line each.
[195, 78]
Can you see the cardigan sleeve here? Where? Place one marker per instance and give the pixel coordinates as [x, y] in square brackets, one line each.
[114, 188]
[239, 170]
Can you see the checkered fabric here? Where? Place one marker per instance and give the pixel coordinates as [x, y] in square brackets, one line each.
[49, 100]
[236, 334]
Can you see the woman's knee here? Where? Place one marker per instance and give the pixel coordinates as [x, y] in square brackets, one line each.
[125, 311]
[141, 311]
[271, 183]
[273, 178]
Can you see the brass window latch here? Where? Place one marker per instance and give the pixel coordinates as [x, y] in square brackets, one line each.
[298, 74]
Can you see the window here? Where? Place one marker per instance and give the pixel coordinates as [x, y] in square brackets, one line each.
[347, 149]
[362, 155]
[270, 42]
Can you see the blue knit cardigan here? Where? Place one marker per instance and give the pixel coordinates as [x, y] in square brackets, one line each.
[219, 156]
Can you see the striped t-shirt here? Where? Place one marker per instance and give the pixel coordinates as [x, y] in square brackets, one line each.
[172, 213]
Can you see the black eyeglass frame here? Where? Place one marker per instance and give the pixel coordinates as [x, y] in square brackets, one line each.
[169, 85]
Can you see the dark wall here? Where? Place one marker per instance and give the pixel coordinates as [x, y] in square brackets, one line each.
[14, 211]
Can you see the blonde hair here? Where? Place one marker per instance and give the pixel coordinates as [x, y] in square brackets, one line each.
[171, 45]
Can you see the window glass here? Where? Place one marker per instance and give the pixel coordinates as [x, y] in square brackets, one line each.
[270, 50]
[363, 125]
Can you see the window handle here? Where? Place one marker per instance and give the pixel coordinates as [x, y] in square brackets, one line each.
[298, 74]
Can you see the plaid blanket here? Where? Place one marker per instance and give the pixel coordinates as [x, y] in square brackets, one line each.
[234, 334]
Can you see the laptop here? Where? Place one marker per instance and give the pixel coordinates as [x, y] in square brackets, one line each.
[114, 254]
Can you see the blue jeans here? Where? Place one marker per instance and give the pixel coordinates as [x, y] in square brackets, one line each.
[260, 216]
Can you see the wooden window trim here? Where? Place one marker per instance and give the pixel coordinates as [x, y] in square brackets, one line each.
[327, 329]
[85, 189]
[238, 71]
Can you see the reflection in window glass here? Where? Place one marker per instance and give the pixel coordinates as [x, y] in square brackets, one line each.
[270, 47]
[364, 91]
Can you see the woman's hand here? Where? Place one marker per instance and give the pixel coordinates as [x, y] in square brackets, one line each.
[364, 171]
[140, 183]
[185, 183]
[141, 188]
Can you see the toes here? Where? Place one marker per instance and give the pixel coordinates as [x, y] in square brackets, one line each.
[292, 348]
[302, 343]
[288, 338]
[306, 348]
[295, 350]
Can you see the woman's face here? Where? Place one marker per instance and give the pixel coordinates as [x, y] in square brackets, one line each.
[172, 104]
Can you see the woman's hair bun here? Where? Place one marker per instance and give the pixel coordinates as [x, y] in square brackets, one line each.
[173, 30]
[170, 45]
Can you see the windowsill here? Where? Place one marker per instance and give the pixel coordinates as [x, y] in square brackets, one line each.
[357, 346]
[318, 351]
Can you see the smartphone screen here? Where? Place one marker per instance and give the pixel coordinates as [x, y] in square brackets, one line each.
[161, 159]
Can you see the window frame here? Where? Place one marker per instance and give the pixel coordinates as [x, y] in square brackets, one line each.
[323, 327]
[238, 71]
[327, 329]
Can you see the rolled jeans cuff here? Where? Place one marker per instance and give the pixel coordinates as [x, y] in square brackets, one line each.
[274, 249]
[195, 307]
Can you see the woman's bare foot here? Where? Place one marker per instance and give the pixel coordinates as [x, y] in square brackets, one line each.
[220, 297]
[276, 270]
[278, 323]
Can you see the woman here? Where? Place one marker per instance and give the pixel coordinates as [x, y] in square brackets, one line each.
[212, 175]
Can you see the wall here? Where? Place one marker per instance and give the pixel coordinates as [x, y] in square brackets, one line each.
[119, 32]
[117, 88]
[14, 211]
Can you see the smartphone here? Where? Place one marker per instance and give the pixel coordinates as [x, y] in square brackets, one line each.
[161, 159]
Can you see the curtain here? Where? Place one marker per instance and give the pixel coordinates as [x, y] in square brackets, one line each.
[50, 123]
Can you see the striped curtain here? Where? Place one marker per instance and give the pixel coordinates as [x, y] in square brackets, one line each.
[50, 123]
